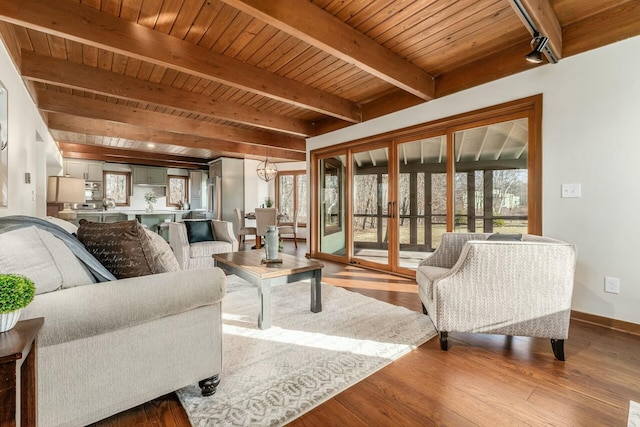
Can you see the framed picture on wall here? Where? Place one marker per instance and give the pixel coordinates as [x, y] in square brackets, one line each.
[4, 144]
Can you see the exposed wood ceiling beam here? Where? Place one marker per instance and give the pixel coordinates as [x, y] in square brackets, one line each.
[68, 123]
[47, 69]
[92, 27]
[311, 24]
[95, 109]
[607, 27]
[544, 19]
[96, 152]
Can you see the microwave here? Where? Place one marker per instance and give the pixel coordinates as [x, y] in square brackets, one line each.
[92, 190]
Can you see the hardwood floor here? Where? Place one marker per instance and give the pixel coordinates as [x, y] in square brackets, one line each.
[482, 379]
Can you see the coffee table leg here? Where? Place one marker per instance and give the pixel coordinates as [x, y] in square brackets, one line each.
[316, 293]
[264, 315]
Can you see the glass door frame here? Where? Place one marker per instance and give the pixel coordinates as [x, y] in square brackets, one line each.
[530, 107]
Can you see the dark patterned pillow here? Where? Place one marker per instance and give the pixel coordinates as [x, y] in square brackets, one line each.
[122, 247]
[199, 231]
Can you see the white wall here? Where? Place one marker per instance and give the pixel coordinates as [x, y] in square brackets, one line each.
[31, 147]
[591, 136]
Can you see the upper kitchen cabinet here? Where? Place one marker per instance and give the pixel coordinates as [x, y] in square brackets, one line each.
[143, 175]
[87, 170]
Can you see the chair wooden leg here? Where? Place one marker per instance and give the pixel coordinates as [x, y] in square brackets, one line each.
[558, 349]
[295, 240]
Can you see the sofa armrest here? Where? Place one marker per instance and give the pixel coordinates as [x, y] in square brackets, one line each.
[89, 310]
[223, 230]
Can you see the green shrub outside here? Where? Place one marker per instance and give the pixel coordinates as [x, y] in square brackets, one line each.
[16, 292]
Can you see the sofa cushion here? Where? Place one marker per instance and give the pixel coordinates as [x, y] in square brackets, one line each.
[43, 258]
[206, 249]
[199, 231]
[165, 254]
[124, 247]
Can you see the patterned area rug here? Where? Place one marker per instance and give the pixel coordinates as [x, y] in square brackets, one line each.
[634, 414]
[273, 376]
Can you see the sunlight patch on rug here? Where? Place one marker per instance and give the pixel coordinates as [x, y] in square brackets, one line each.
[634, 414]
[273, 376]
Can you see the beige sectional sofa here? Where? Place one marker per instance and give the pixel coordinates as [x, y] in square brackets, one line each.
[106, 347]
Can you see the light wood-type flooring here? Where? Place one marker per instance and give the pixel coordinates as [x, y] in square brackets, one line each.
[488, 380]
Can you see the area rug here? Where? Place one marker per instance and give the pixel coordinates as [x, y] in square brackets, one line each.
[634, 414]
[273, 376]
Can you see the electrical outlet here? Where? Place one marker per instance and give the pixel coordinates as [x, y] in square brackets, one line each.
[612, 285]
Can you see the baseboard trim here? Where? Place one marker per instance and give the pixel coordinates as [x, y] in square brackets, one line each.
[618, 325]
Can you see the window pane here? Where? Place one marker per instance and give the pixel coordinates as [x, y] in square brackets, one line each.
[177, 190]
[491, 178]
[117, 187]
[301, 188]
[285, 196]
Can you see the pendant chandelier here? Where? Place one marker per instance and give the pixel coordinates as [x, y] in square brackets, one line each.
[266, 170]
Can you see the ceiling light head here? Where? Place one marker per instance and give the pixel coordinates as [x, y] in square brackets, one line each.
[266, 170]
[535, 56]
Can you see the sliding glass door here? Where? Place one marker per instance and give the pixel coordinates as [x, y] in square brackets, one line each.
[387, 203]
[422, 198]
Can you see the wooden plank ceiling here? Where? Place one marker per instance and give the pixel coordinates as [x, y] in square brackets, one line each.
[186, 81]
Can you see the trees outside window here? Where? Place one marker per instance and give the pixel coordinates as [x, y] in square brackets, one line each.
[117, 186]
[178, 191]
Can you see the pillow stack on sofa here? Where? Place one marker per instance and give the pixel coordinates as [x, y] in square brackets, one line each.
[127, 249]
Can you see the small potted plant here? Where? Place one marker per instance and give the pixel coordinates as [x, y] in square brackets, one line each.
[150, 198]
[268, 202]
[16, 292]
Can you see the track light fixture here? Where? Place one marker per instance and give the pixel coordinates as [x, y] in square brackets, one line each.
[535, 56]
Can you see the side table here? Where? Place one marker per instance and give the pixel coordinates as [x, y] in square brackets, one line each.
[18, 349]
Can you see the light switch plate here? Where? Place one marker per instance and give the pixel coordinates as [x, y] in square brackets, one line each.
[571, 191]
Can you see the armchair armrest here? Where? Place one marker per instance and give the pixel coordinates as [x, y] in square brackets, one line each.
[93, 309]
[179, 242]
[448, 252]
[223, 230]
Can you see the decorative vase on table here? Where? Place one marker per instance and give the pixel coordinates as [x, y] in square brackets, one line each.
[16, 292]
[271, 243]
[9, 320]
[149, 208]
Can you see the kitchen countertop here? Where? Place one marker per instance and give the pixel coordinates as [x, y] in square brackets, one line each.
[133, 212]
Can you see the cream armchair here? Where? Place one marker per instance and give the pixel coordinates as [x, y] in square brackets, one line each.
[198, 255]
[471, 284]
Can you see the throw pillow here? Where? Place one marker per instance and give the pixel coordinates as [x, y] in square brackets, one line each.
[124, 247]
[165, 254]
[43, 258]
[199, 231]
[505, 237]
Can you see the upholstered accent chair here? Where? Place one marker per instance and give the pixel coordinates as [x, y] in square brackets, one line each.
[290, 229]
[264, 218]
[191, 254]
[510, 287]
[243, 230]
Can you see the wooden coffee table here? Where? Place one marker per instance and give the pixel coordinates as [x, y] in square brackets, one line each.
[247, 265]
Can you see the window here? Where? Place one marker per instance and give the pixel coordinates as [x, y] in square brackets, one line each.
[117, 186]
[178, 193]
[291, 194]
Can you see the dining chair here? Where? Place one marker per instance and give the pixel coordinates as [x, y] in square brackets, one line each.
[290, 229]
[243, 230]
[264, 218]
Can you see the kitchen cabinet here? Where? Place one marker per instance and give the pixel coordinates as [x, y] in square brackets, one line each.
[89, 171]
[149, 176]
